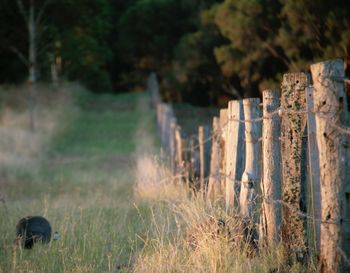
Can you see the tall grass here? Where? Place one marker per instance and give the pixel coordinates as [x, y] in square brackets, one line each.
[188, 234]
[79, 174]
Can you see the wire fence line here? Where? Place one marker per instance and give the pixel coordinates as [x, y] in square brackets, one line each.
[333, 128]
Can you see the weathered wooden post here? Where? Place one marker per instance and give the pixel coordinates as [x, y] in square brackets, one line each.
[179, 154]
[234, 152]
[271, 182]
[293, 127]
[251, 175]
[223, 127]
[314, 172]
[194, 162]
[330, 108]
[214, 177]
[204, 152]
[172, 142]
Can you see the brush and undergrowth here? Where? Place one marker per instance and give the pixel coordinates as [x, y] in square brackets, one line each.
[91, 167]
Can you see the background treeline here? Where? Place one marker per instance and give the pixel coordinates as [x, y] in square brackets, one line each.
[204, 51]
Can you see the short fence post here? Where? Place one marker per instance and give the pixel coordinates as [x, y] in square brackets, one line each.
[234, 152]
[214, 177]
[223, 128]
[330, 108]
[271, 182]
[204, 151]
[293, 126]
[251, 175]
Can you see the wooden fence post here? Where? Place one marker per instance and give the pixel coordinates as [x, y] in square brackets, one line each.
[179, 154]
[330, 108]
[204, 152]
[223, 127]
[293, 127]
[194, 162]
[251, 175]
[172, 141]
[234, 152]
[314, 172]
[214, 177]
[271, 182]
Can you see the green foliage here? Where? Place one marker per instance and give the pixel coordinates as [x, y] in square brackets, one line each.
[201, 49]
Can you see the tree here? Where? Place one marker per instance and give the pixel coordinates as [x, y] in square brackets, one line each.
[251, 54]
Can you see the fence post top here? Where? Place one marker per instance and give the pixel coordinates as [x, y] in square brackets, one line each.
[270, 94]
[251, 101]
[299, 79]
[334, 62]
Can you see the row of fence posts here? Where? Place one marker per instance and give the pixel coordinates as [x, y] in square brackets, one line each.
[285, 167]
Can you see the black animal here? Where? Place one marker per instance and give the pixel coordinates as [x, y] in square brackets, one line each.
[33, 229]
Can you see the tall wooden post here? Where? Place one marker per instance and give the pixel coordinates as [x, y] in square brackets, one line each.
[234, 152]
[223, 127]
[293, 127]
[172, 141]
[271, 182]
[204, 154]
[330, 108]
[251, 176]
[179, 154]
[314, 173]
[214, 177]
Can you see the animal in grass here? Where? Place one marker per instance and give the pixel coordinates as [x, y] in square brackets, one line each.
[33, 229]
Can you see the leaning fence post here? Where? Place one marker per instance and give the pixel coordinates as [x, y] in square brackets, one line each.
[214, 177]
[234, 152]
[293, 144]
[271, 182]
[204, 151]
[251, 175]
[330, 108]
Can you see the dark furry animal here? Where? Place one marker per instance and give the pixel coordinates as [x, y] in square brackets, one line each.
[33, 229]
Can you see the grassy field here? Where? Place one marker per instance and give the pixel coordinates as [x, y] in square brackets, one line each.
[91, 167]
[76, 169]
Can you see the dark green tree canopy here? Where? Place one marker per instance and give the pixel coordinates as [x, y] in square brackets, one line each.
[201, 49]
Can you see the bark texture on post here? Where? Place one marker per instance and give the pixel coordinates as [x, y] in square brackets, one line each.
[223, 127]
[234, 152]
[204, 154]
[214, 177]
[331, 109]
[314, 171]
[251, 176]
[293, 125]
[271, 182]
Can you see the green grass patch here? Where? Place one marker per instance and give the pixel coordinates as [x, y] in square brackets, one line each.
[82, 181]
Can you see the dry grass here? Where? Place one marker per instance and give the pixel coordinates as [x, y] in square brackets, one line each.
[18, 144]
[187, 234]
